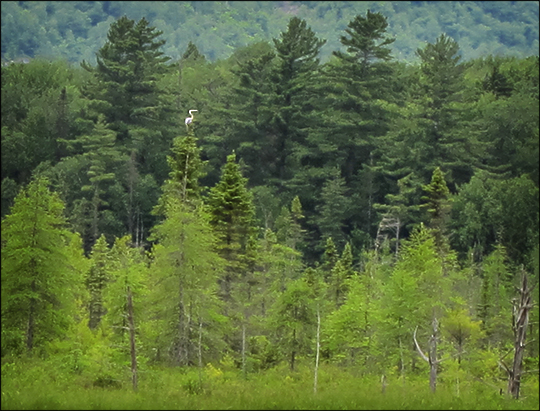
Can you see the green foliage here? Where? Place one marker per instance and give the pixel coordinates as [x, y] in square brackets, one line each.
[495, 298]
[96, 280]
[39, 282]
[230, 205]
[183, 275]
[75, 31]
[343, 149]
[293, 315]
[489, 209]
[160, 390]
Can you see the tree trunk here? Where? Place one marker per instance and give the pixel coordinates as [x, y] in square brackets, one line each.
[200, 352]
[293, 351]
[95, 215]
[317, 350]
[433, 356]
[521, 322]
[132, 339]
[244, 350]
[31, 320]
[181, 327]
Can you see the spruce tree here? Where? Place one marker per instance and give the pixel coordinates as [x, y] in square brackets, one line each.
[340, 275]
[437, 204]
[186, 168]
[96, 281]
[329, 258]
[230, 205]
[334, 209]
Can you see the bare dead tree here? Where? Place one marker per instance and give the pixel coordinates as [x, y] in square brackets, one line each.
[520, 321]
[384, 383]
[388, 223]
[431, 358]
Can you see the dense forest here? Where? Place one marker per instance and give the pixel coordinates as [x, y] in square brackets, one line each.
[267, 229]
[75, 30]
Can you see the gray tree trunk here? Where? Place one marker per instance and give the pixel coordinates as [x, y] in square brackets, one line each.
[431, 358]
[520, 324]
[131, 322]
[318, 348]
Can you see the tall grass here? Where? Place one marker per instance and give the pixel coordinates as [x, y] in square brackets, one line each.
[38, 385]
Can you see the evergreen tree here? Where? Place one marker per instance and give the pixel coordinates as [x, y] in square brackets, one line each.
[124, 298]
[125, 87]
[39, 278]
[494, 306]
[192, 53]
[416, 292]
[293, 315]
[244, 119]
[96, 281]
[449, 142]
[340, 275]
[186, 170]
[103, 157]
[334, 210]
[232, 213]
[353, 115]
[289, 229]
[297, 52]
[437, 204]
[330, 258]
[184, 275]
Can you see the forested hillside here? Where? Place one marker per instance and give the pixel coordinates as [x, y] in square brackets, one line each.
[75, 30]
[269, 228]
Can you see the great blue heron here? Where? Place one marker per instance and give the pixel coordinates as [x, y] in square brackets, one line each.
[189, 120]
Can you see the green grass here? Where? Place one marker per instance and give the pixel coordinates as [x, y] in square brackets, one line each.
[37, 385]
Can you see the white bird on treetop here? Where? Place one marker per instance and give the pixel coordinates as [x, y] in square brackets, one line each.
[189, 120]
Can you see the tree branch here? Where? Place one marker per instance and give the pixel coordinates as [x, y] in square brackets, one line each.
[418, 347]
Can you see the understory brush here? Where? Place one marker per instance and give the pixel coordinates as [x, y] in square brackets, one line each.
[39, 384]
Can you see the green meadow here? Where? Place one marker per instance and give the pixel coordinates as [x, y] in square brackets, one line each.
[39, 384]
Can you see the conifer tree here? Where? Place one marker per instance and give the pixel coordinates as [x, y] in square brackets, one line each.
[128, 64]
[334, 208]
[186, 169]
[289, 228]
[184, 276]
[192, 53]
[39, 278]
[415, 294]
[297, 64]
[248, 108]
[232, 213]
[103, 157]
[124, 298]
[494, 305]
[293, 315]
[186, 265]
[330, 258]
[437, 204]
[353, 116]
[97, 279]
[340, 274]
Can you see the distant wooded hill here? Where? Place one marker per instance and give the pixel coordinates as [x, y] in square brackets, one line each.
[75, 30]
